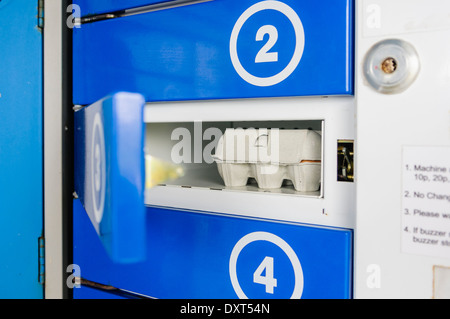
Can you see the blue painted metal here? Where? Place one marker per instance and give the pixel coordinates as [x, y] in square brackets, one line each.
[185, 53]
[188, 256]
[89, 7]
[21, 149]
[110, 172]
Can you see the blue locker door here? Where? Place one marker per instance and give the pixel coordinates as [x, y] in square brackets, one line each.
[215, 50]
[198, 255]
[21, 198]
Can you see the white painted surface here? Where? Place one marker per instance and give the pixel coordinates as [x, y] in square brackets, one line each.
[385, 124]
[334, 206]
[53, 219]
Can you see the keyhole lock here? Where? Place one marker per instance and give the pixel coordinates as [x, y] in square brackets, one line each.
[391, 66]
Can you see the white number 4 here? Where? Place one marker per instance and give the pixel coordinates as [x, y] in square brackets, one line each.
[266, 280]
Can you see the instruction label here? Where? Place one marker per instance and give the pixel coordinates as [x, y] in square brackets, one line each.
[426, 201]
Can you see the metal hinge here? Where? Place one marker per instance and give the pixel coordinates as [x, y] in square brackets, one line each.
[40, 16]
[41, 260]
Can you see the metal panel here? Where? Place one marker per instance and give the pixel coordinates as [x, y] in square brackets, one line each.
[417, 116]
[199, 255]
[250, 49]
[21, 181]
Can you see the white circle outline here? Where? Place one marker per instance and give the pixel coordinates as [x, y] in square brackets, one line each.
[98, 212]
[299, 45]
[264, 236]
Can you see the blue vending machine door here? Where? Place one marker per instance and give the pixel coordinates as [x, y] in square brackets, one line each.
[21, 149]
[221, 49]
[198, 255]
[110, 172]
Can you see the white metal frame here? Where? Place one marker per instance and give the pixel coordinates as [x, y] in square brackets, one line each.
[53, 171]
[336, 208]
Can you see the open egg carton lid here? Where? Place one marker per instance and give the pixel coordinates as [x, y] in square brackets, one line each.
[274, 146]
[270, 156]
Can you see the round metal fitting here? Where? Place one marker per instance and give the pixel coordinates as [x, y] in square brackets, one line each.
[391, 66]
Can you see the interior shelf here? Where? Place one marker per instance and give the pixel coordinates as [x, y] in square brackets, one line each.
[162, 138]
[208, 177]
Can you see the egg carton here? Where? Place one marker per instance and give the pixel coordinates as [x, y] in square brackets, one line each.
[270, 156]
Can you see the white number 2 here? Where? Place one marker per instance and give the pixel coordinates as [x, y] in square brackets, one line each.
[263, 54]
[267, 280]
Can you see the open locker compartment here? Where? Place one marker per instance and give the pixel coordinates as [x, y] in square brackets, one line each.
[180, 133]
[186, 144]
